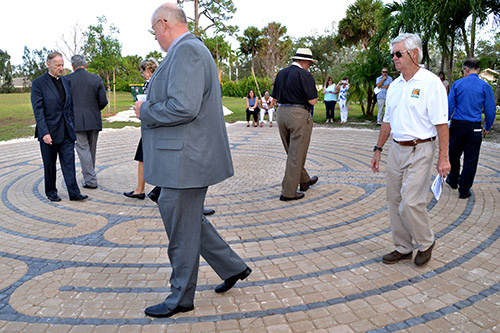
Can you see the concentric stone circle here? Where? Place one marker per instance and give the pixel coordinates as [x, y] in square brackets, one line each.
[97, 264]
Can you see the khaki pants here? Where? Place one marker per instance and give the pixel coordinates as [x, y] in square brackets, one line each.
[408, 181]
[295, 125]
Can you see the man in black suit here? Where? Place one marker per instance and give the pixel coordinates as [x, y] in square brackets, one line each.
[53, 109]
[89, 98]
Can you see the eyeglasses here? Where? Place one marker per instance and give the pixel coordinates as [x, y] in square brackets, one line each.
[152, 31]
[399, 54]
[386, 71]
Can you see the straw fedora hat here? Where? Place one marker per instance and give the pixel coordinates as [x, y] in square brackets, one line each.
[304, 54]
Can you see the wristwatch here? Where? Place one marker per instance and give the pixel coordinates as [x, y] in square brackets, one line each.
[378, 148]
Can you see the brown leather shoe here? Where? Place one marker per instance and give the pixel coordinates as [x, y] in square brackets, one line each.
[395, 256]
[298, 195]
[423, 257]
[305, 186]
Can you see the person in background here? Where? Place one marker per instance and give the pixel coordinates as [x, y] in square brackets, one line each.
[417, 112]
[186, 149]
[52, 104]
[266, 105]
[295, 90]
[468, 99]
[252, 108]
[89, 98]
[383, 82]
[330, 97]
[446, 84]
[343, 89]
[148, 67]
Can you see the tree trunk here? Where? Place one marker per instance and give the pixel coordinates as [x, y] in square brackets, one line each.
[497, 90]
[464, 37]
[369, 108]
[472, 35]
[449, 64]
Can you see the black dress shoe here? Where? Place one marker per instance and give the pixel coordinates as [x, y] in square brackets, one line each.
[452, 185]
[305, 186]
[229, 283]
[298, 195]
[78, 197]
[161, 310]
[85, 185]
[54, 197]
[208, 211]
[153, 196]
[465, 195]
[131, 194]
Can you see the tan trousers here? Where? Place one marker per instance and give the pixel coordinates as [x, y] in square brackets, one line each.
[295, 125]
[408, 181]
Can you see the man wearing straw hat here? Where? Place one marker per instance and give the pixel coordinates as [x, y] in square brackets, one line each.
[295, 90]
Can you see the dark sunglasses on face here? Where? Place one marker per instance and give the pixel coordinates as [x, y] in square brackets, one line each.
[398, 53]
[384, 72]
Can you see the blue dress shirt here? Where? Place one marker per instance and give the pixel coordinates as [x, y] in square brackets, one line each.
[468, 97]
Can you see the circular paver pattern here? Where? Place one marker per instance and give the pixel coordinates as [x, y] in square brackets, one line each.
[97, 264]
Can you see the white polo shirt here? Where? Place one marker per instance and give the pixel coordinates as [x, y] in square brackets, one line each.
[413, 108]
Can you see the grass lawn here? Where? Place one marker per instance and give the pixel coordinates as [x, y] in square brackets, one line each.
[17, 120]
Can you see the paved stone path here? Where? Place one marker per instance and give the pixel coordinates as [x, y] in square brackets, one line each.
[95, 265]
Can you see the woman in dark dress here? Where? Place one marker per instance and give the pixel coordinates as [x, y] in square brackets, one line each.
[148, 66]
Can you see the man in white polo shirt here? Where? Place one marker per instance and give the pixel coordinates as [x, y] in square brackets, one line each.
[416, 112]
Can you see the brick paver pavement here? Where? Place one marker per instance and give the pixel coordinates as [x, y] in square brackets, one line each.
[95, 265]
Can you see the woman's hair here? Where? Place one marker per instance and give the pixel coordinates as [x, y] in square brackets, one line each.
[328, 81]
[149, 63]
[251, 90]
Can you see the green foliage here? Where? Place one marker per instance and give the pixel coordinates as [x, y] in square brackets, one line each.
[274, 48]
[218, 47]
[6, 81]
[103, 50]
[250, 42]
[128, 73]
[216, 12]
[241, 88]
[155, 54]
[34, 63]
[360, 23]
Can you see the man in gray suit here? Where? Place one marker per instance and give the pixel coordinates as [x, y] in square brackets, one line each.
[89, 98]
[186, 150]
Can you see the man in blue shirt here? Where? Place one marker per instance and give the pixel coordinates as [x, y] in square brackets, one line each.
[383, 82]
[468, 98]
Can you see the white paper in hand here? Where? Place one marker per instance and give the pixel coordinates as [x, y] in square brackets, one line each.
[437, 186]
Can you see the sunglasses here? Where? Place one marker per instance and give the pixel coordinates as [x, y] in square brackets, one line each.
[398, 53]
[386, 71]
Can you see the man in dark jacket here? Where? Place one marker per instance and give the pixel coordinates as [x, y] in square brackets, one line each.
[89, 98]
[54, 116]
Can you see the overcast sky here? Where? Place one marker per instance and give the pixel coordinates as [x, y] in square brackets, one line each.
[37, 24]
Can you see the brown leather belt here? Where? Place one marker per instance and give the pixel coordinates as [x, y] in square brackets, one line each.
[414, 142]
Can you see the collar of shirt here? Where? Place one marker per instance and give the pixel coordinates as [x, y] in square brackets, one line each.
[55, 77]
[297, 64]
[176, 41]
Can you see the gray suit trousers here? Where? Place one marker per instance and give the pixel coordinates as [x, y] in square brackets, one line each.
[191, 234]
[86, 146]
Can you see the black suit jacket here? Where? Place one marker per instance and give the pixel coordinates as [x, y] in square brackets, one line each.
[51, 116]
[89, 98]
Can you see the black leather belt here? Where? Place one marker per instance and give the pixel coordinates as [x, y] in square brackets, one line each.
[295, 106]
[414, 142]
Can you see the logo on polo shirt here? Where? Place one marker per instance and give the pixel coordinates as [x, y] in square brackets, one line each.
[415, 93]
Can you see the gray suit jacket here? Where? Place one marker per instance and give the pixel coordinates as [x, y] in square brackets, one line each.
[184, 135]
[89, 98]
